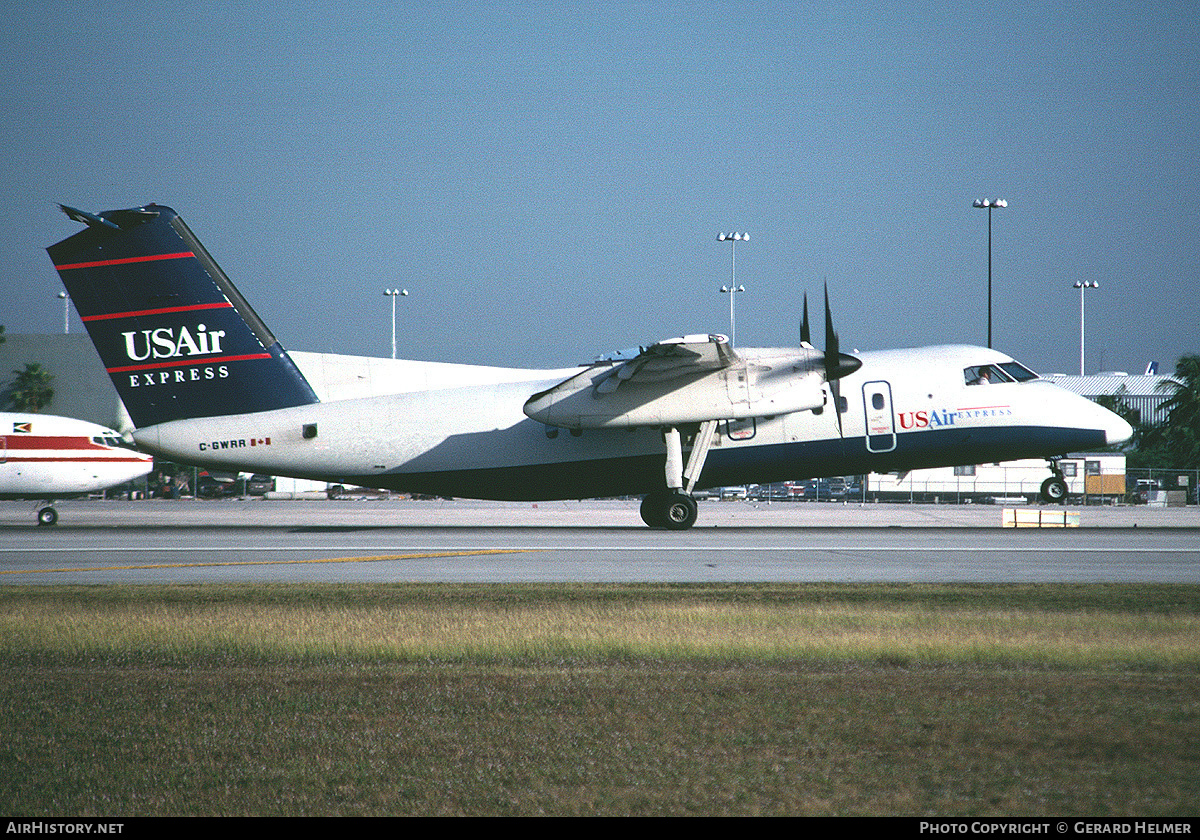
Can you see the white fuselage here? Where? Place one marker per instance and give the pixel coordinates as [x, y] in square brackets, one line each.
[461, 430]
[47, 457]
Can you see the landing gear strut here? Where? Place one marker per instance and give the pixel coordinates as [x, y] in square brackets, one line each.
[674, 508]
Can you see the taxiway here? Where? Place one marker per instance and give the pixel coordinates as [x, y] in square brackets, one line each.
[393, 540]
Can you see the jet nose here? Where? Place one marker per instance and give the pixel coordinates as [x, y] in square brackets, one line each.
[1116, 429]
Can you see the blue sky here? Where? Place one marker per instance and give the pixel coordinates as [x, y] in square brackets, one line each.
[549, 181]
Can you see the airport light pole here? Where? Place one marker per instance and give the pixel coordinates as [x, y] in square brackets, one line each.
[1082, 286]
[731, 291]
[66, 312]
[393, 294]
[733, 239]
[988, 204]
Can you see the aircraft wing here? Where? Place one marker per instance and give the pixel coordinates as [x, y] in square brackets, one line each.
[672, 359]
[692, 379]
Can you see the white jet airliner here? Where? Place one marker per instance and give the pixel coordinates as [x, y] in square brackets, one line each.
[207, 383]
[43, 457]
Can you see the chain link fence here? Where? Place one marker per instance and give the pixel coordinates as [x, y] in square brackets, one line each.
[1162, 486]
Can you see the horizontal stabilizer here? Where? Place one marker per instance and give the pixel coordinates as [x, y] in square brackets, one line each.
[89, 219]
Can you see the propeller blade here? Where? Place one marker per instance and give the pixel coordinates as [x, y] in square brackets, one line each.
[836, 390]
[837, 364]
[805, 337]
[830, 335]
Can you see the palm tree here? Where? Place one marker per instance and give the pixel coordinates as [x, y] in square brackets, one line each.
[31, 389]
[1180, 434]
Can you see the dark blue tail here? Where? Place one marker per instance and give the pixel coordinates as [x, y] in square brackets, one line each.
[176, 337]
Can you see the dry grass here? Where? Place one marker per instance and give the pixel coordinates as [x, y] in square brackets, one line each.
[422, 623]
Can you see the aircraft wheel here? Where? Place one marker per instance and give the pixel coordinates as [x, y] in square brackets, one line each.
[651, 510]
[673, 510]
[47, 516]
[680, 512]
[1054, 491]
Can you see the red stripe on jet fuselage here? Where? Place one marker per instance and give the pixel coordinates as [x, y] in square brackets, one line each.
[120, 460]
[182, 255]
[24, 441]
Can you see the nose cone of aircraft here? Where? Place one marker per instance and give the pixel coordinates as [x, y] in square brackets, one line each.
[1085, 415]
[1116, 430]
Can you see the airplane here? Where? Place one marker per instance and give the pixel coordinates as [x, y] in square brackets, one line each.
[206, 382]
[44, 457]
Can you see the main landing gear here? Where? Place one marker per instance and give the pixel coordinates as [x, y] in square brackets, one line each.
[670, 509]
[47, 515]
[674, 508]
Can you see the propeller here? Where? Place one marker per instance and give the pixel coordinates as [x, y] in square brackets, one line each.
[837, 364]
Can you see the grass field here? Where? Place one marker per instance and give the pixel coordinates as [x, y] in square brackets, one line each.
[641, 699]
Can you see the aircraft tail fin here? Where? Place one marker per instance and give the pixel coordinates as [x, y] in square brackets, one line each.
[174, 333]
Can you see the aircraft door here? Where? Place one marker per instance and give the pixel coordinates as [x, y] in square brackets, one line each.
[881, 422]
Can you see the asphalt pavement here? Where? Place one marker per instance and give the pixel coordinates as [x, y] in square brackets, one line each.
[370, 541]
[587, 513]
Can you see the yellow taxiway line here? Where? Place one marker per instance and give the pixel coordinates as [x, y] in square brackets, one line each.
[374, 558]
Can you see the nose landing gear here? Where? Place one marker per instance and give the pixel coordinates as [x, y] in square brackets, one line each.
[1054, 489]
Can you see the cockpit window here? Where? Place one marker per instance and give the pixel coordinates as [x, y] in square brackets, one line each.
[985, 375]
[1018, 371]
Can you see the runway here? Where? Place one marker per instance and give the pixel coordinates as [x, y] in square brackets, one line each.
[158, 542]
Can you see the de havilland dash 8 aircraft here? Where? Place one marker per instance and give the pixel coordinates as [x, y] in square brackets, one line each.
[44, 457]
[206, 382]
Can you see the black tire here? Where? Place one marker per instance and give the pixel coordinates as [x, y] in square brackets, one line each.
[652, 508]
[1054, 491]
[673, 510]
[47, 516]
